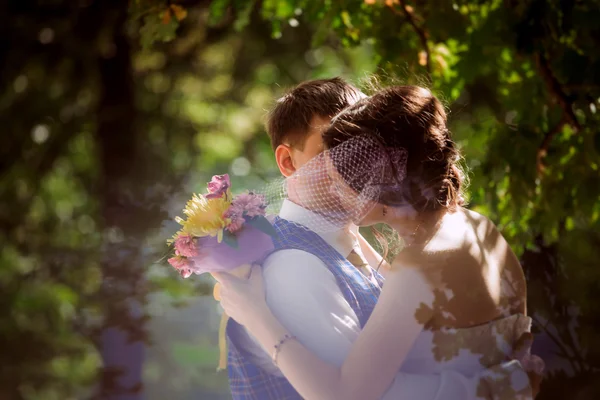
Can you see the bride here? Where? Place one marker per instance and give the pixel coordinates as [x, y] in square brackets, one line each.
[455, 296]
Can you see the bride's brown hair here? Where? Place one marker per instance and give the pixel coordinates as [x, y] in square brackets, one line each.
[411, 118]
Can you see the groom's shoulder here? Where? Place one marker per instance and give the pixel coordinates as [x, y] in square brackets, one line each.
[290, 261]
[291, 269]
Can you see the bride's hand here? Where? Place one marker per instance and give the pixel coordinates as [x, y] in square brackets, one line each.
[243, 299]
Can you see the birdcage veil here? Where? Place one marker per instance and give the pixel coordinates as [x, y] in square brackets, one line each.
[341, 185]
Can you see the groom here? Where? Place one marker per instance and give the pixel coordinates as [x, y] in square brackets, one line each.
[322, 288]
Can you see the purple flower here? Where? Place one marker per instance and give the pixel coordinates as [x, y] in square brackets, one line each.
[217, 186]
[248, 204]
[185, 245]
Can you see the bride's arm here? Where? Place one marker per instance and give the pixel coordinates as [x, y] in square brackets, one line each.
[375, 357]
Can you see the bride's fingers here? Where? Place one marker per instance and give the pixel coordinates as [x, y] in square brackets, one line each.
[255, 274]
[223, 298]
[223, 278]
[226, 279]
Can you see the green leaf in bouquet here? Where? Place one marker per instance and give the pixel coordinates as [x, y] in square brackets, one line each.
[229, 239]
[263, 225]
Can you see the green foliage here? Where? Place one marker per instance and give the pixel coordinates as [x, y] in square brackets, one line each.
[158, 20]
[263, 225]
[157, 28]
[230, 240]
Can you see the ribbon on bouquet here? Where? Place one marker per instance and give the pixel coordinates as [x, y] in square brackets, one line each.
[222, 331]
[243, 271]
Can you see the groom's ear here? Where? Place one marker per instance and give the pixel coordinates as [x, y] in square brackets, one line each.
[285, 162]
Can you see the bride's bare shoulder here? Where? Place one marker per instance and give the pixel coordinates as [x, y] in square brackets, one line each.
[459, 233]
[452, 244]
[479, 222]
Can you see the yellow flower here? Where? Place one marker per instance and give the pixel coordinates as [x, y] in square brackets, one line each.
[205, 216]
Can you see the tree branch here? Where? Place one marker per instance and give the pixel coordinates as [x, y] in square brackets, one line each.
[556, 90]
[568, 117]
[421, 33]
[543, 149]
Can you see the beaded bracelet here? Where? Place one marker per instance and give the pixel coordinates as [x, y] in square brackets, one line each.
[277, 347]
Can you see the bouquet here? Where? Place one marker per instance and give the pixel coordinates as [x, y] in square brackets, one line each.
[221, 233]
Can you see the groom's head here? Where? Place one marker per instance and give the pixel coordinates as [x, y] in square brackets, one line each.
[298, 118]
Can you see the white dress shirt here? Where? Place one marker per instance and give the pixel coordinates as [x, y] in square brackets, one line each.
[304, 296]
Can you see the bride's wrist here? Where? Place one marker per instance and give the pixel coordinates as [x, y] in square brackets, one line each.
[260, 315]
[268, 330]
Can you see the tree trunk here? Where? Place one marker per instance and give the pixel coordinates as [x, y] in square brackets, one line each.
[123, 293]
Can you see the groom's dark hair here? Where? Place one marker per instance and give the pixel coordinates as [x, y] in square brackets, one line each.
[289, 121]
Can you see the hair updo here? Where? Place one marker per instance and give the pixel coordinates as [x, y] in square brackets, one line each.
[411, 118]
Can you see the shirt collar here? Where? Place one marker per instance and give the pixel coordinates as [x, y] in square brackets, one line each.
[342, 240]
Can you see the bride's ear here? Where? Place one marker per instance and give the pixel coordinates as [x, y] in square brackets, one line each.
[285, 162]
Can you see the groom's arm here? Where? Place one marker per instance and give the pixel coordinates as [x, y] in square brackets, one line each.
[303, 294]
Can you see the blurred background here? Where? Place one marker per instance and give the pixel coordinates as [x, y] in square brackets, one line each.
[113, 112]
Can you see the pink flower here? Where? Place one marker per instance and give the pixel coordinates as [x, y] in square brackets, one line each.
[248, 204]
[185, 273]
[185, 245]
[182, 265]
[244, 205]
[179, 263]
[217, 186]
[236, 224]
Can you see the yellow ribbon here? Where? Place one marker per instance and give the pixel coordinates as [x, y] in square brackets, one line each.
[242, 271]
[223, 343]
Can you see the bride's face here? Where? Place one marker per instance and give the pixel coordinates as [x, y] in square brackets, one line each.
[360, 210]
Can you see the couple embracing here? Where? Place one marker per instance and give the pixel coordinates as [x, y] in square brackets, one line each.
[325, 316]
